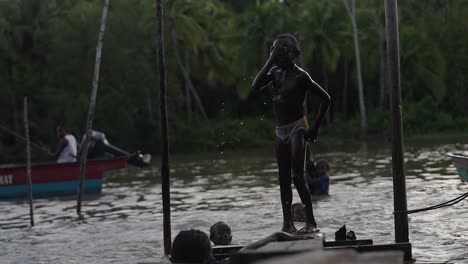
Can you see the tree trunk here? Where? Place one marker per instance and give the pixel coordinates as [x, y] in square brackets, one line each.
[345, 90]
[149, 103]
[188, 81]
[325, 86]
[381, 63]
[11, 80]
[381, 72]
[188, 97]
[362, 108]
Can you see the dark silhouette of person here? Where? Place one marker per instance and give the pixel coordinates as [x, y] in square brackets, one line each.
[289, 86]
[191, 246]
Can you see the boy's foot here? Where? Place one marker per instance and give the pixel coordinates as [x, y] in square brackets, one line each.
[289, 228]
[307, 230]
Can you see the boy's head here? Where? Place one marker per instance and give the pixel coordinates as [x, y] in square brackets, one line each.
[191, 246]
[298, 212]
[220, 234]
[61, 130]
[287, 47]
[322, 166]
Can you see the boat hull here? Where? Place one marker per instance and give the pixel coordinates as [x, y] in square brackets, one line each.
[461, 164]
[55, 179]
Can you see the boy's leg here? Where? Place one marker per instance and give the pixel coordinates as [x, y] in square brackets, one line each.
[298, 151]
[283, 159]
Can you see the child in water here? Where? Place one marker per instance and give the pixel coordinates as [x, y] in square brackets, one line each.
[220, 234]
[289, 86]
[317, 177]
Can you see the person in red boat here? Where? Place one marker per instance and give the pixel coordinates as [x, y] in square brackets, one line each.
[67, 146]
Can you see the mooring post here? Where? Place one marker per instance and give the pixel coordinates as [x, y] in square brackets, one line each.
[166, 195]
[398, 166]
[92, 104]
[28, 160]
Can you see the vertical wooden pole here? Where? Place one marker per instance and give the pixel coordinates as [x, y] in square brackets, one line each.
[398, 166]
[166, 195]
[28, 160]
[92, 104]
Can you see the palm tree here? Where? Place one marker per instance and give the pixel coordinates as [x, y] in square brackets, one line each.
[323, 29]
[194, 28]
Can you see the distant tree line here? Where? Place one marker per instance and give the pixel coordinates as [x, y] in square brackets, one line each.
[214, 49]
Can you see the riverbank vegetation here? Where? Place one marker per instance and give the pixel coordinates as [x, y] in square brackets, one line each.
[214, 49]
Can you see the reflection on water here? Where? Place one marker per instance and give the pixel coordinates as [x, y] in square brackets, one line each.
[124, 223]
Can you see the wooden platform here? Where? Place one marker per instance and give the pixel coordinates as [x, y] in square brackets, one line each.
[334, 257]
[302, 251]
[276, 249]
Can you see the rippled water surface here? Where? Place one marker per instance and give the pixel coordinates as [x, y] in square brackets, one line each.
[124, 223]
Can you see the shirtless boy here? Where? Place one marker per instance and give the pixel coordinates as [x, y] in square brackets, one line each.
[289, 85]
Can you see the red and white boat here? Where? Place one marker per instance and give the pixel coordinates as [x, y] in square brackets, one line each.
[54, 179]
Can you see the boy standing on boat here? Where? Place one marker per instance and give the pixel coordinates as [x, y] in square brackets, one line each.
[289, 85]
[67, 146]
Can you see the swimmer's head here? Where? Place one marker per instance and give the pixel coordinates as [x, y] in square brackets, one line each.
[322, 166]
[191, 246]
[298, 212]
[220, 234]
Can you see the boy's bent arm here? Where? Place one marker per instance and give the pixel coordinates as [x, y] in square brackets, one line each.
[324, 96]
[264, 77]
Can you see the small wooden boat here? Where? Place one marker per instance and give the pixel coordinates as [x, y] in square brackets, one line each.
[461, 163]
[52, 179]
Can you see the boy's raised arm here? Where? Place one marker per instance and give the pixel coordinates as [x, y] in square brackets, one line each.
[263, 77]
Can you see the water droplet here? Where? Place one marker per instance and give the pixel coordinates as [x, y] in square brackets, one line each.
[261, 118]
[241, 123]
[222, 152]
[264, 103]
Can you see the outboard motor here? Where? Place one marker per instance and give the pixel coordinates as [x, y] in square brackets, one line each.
[100, 148]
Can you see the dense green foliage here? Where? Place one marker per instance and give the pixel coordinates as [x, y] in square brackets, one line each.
[214, 48]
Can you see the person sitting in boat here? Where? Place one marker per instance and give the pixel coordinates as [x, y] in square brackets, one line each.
[66, 147]
[317, 177]
[220, 234]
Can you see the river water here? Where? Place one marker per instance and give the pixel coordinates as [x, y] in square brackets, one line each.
[124, 223]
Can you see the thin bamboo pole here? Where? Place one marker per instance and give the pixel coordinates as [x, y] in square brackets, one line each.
[166, 195]
[398, 166]
[28, 161]
[92, 104]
